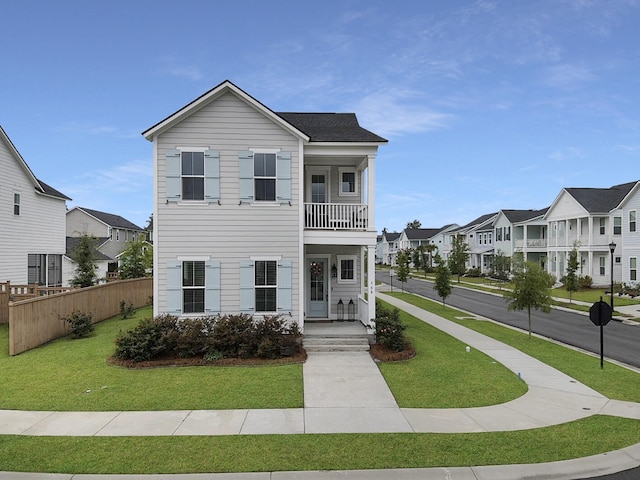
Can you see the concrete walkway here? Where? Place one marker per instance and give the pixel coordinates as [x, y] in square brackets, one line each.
[345, 393]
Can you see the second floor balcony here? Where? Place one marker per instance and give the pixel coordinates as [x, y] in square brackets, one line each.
[336, 216]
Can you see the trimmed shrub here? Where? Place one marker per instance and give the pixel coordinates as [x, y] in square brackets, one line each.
[149, 339]
[80, 325]
[585, 282]
[389, 329]
[126, 309]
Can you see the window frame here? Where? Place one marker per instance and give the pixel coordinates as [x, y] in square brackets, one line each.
[194, 287]
[603, 265]
[341, 277]
[617, 225]
[257, 263]
[341, 191]
[265, 177]
[633, 221]
[633, 269]
[602, 226]
[16, 203]
[192, 176]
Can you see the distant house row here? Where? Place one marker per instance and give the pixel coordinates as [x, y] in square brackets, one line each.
[38, 233]
[593, 219]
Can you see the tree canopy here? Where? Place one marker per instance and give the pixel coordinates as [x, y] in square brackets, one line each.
[136, 260]
[459, 256]
[84, 255]
[531, 290]
[414, 224]
[442, 284]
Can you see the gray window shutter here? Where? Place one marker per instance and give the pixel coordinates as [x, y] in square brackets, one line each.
[247, 287]
[212, 288]
[212, 176]
[284, 286]
[246, 176]
[284, 177]
[174, 288]
[173, 168]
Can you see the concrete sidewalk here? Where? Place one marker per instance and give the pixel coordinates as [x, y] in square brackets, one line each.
[344, 392]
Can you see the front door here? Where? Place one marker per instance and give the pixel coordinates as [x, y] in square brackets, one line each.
[318, 297]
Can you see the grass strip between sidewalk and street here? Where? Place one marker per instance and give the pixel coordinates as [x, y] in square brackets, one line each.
[265, 453]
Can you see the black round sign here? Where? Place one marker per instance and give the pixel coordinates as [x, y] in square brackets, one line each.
[600, 313]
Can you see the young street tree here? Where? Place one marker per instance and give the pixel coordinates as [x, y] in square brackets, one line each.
[442, 284]
[402, 271]
[571, 279]
[416, 256]
[531, 290]
[459, 256]
[136, 260]
[84, 255]
[501, 266]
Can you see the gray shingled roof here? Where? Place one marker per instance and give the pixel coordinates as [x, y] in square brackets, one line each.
[601, 200]
[516, 216]
[111, 219]
[72, 243]
[330, 127]
[421, 233]
[478, 221]
[49, 190]
[392, 236]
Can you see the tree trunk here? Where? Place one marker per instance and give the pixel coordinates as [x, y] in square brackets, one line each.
[529, 312]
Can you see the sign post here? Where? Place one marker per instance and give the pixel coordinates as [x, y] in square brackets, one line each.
[600, 314]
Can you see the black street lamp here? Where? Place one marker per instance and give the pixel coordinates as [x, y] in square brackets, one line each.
[612, 248]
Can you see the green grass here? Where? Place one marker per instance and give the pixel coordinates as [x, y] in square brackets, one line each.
[259, 453]
[74, 375]
[443, 375]
[69, 366]
[613, 381]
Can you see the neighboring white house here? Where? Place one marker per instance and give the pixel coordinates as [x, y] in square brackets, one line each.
[112, 231]
[591, 219]
[629, 248]
[478, 235]
[521, 231]
[262, 212]
[389, 246]
[32, 223]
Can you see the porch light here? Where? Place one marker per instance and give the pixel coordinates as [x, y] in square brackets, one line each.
[351, 310]
[334, 272]
[340, 310]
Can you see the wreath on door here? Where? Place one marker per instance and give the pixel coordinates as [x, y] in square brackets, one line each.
[316, 269]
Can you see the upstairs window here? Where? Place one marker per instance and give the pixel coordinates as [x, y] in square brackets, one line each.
[633, 269]
[192, 169]
[348, 182]
[617, 225]
[16, 204]
[264, 174]
[603, 224]
[632, 220]
[603, 265]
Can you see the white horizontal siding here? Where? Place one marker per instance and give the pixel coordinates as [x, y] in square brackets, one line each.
[228, 232]
[40, 227]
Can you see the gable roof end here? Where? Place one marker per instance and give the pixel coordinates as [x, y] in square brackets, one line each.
[208, 97]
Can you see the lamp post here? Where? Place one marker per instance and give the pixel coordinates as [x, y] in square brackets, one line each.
[612, 248]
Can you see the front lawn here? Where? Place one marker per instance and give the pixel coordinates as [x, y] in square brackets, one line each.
[74, 375]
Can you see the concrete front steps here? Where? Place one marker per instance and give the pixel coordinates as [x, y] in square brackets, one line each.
[327, 337]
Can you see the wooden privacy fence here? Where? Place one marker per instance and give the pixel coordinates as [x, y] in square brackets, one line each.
[15, 293]
[36, 321]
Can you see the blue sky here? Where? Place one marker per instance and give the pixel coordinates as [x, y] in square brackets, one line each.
[487, 105]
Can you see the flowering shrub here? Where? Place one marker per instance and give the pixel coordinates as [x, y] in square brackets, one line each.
[389, 329]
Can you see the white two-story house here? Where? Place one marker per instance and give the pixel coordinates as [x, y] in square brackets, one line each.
[32, 223]
[478, 235]
[262, 212]
[522, 231]
[592, 219]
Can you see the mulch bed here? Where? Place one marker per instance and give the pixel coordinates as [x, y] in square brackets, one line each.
[379, 352]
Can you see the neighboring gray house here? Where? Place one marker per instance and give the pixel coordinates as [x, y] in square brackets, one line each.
[262, 212]
[522, 231]
[478, 235]
[112, 231]
[32, 223]
[389, 246]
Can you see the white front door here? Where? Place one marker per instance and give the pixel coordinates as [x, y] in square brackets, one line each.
[318, 288]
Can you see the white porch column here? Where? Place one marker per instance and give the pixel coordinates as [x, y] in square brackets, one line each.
[525, 243]
[371, 284]
[371, 189]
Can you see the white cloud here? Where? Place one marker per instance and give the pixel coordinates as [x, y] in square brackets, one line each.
[85, 129]
[397, 112]
[566, 75]
[566, 154]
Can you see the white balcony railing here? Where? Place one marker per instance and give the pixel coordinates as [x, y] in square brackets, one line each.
[532, 243]
[336, 216]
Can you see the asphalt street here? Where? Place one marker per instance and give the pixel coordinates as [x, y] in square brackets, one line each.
[621, 341]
